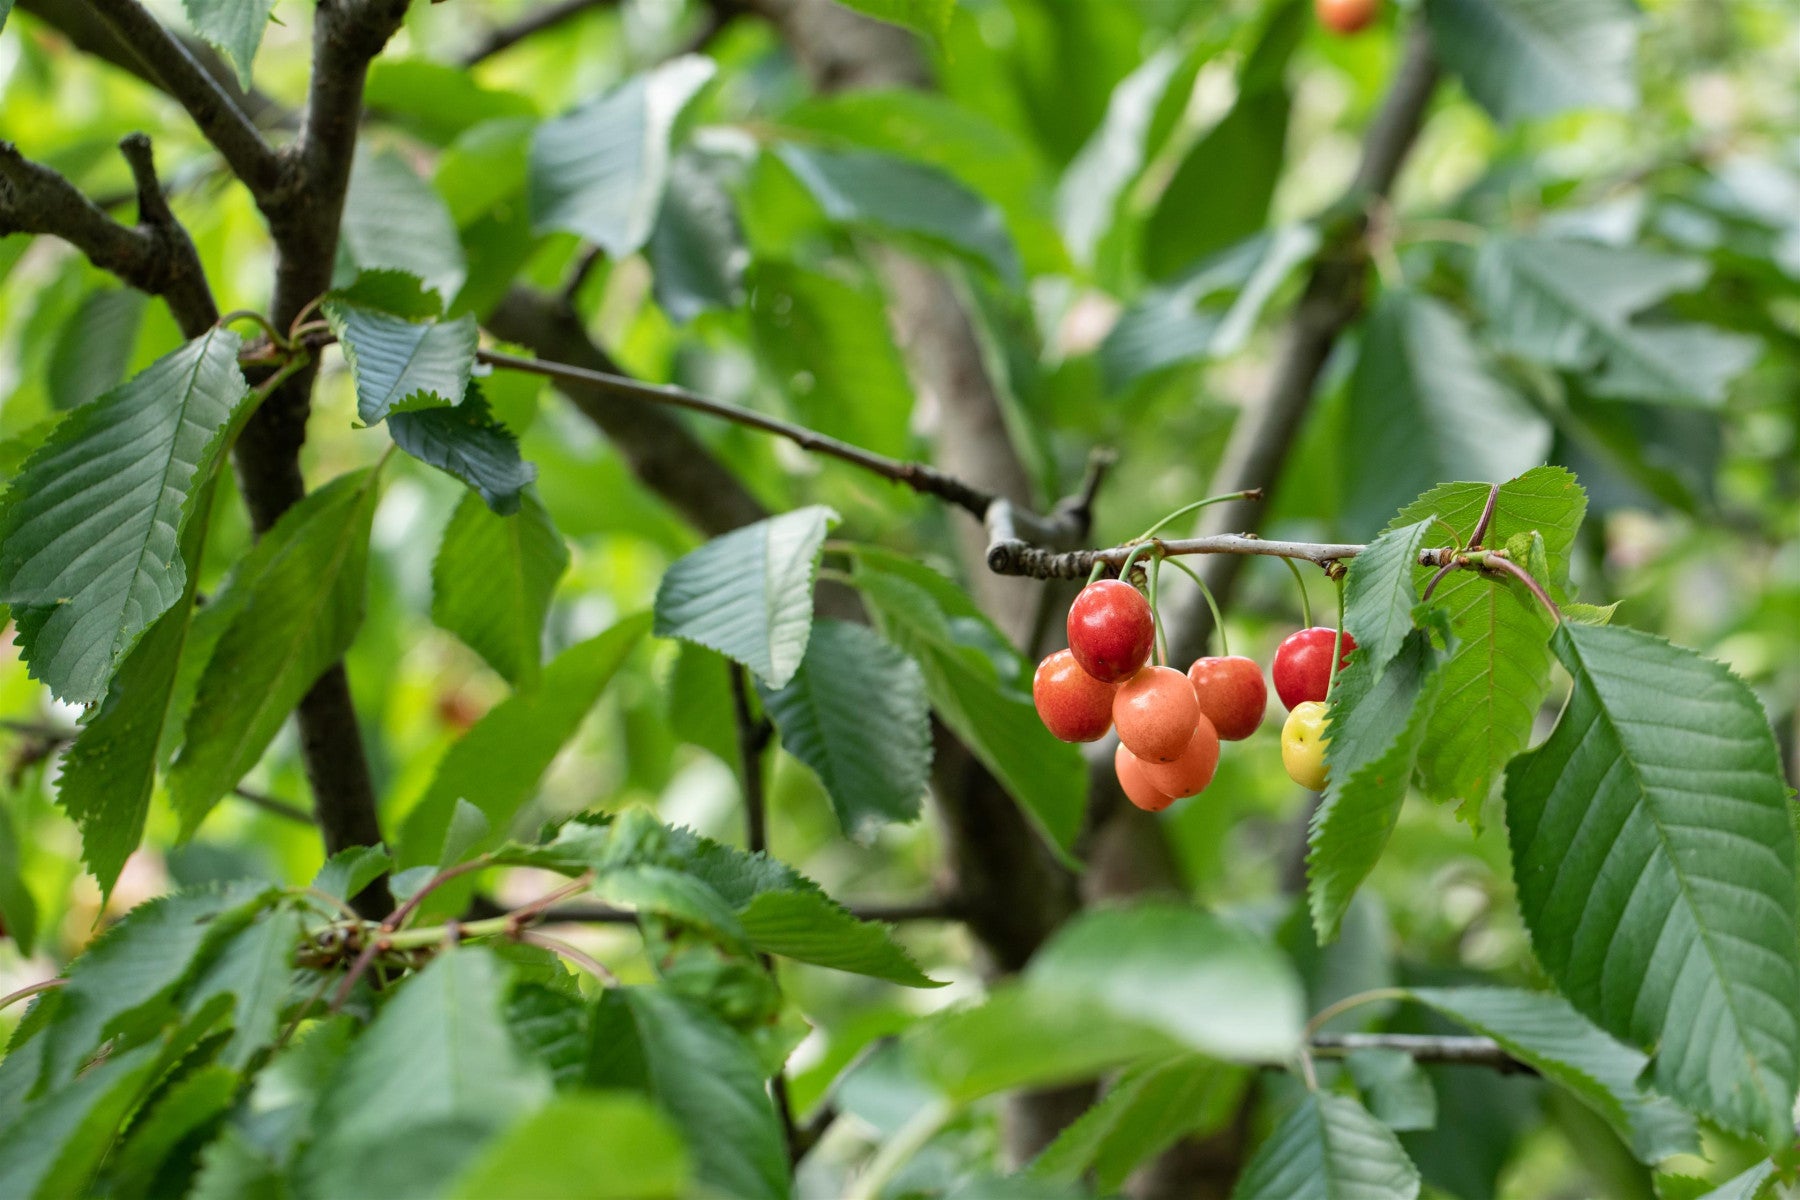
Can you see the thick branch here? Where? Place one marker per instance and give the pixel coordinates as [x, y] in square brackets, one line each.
[214, 111]
[504, 37]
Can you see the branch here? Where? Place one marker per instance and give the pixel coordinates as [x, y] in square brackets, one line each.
[753, 734]
[1427, 1048]
[214, 111]
[504, 37]
[916, 910]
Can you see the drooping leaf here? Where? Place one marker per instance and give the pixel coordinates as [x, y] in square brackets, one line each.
[185, 1108]
[898, 198]
[748, 594]
[928, 17]
[856, 713]
[1380, 592]
[925, 615]
[810, 927]
[52, 1150]
[600, 170]
[595, 1145]
[1395, 1088]
[469, 443]
[497, 763]
[233, 27]
[1572, 304]
[91, 526]
[93, 350]
[1422, 403]
[696, 250]
[1531, 58]
[1216, 987]
[434, 1075]
[824, 343]
[1087, 199]
[1542, 1029]
[254, 967]
[395, 221]
[491, 583]
[1377, 723]
[1144, 1113]
[401, 365]
[709, 1082]
[291, 610]
[1329, 1148]
[1500, 671]
[1654, 853]
[18, 908]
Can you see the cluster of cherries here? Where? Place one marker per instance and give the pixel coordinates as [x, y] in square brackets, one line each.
[1170, 723]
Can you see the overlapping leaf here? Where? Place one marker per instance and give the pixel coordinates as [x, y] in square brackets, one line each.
[491, 583]
[1654, 853]
[1141, 1115]
[468, 442]
[90, 528]
[1329, 1148]
[234, 27]
[395, 221]
[400, 365]
[1528, 58]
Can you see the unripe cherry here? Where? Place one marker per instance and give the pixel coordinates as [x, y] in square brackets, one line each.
[1074, 706]
[1193, 769]
[1232, 694]
[1111, 630]
[1156, 711]
[1303, 742]
[1138, 789]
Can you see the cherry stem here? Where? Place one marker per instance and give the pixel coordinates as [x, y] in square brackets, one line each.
[1196, 506]
[1374, 996]
[399, 916]
[1099, 570]
[1337, 641]
[1125, 569]
[246, 314]
[1156, 621]
[1211, 603]
[1305, 602]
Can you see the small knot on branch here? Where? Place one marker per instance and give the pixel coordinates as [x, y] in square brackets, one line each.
[153, 206]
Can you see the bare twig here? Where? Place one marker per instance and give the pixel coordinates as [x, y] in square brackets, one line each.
[273, 805]
[574, 954]
[1426, 1048]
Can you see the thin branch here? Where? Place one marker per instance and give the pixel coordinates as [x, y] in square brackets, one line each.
[214, 111]
[504, 37]
[273, 805]
[753, 734]
[946, 909]
[1427, 1048]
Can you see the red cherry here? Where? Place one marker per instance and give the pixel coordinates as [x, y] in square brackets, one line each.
[1073, 705]
[1346, 16]
[1139, 790]
[1189, 774]
[1302, 667]
[1111, 630]
[1156, 711]
[1232, 694]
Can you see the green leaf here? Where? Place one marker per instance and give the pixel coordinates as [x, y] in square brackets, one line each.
[1542, 1029]
[468, 829]
[1532, 58]
[233, 27]
[291, 611]
[438, 101]
[930, 18]
[696, 250]
[1216, 987]
[674, 896]
[1378, 720]
[395, 221]
[925, 615]
[491, 583]
[400, 365]
[748, 594]
[93, 350]
[52, 1150]
[824, 344]
[497, 763]
[1329, 1148]
[897, 198]
[551, 1025]
[856, 713]
[18, 909]
[469, 443]
[348, 872]
[1745, 1186]
[1654, 853]
[596, 1146]
[699, 701]
[1087, 198]
[812, 928]
[1395, 1088]
[1500, 671]
[709, 1082]
[1422, 402]
[1380, 592]
[1141, 1115]
[90, 528]
[600, 170]
[1570, 304]
[254, 967]
[123, 984]
[434, 1075]
[391, 292]
[184, 1109]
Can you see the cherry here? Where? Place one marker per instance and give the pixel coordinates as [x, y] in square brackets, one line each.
[1303, 743]
[1193, 769]
[1139, 790]
[1345, 17]
[1232, 694]
[1302, 667]
[1073, 705]
[1111, 630]
[1156, 711]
